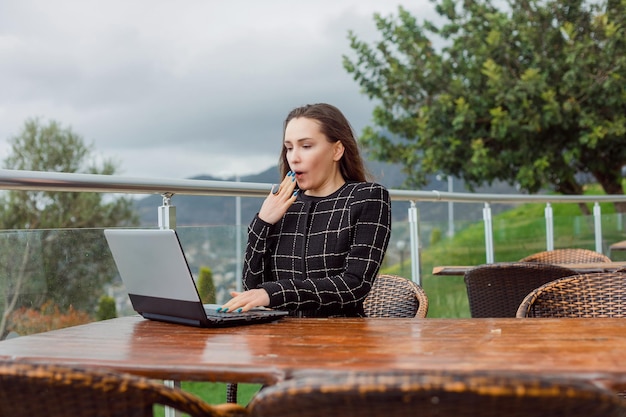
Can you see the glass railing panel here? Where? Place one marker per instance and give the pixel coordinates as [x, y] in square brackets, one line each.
[514, 238]
[63, 277]
[52, 278]
[214, 248]
[613, 231]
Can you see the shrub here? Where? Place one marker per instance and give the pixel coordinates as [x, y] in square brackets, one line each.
[435, 236]
[206, 286]
[25, 321]
[106, 308]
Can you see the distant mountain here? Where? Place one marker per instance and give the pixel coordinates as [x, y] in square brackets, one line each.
[207, 210]
[201, 210]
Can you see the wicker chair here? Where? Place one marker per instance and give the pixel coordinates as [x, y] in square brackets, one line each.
[390, 296]
[496, 290]
[601, 294]
[58, 391]
[429, 394]
[394, 296]
[566, 256]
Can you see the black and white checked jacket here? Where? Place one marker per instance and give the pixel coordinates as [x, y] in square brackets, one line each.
[321, 258]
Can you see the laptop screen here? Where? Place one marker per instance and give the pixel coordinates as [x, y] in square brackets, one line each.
[152, 263]
[160, 284]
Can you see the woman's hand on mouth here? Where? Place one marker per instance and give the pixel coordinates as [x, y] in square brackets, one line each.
[279, 199]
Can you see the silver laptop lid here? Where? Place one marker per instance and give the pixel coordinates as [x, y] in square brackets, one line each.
[160, 285]
[152, 263]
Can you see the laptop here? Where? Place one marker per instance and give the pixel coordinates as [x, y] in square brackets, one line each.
[160, 285]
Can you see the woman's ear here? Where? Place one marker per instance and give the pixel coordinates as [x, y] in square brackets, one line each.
[337, 150]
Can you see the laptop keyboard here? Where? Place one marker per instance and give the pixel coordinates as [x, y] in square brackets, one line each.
[211, 311]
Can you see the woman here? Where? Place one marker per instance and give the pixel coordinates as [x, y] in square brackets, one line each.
[318, 241]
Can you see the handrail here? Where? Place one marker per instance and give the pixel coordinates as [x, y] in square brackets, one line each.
[71, 182]
[167, 187]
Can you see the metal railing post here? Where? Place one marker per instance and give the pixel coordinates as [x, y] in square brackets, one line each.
[488, 233]
[169, 411]
[450, 208]
[167, 213]
[549, 227]
[415, 243]
[238, 262]
[597, 221]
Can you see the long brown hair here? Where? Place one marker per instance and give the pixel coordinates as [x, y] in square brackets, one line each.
[336, 127]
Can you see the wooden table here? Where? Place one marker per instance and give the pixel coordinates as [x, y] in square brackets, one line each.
[266, 353]
[579, 267]
[618, 246]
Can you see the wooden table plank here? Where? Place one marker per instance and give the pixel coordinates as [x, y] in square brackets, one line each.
[266, 353]
[618, 246]
[579, 267]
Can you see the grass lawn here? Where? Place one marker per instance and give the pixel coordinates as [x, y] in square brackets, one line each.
[214, 393]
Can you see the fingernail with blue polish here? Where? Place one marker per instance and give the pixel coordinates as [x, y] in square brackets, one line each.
[290, 173]
[239, 310]
[295, 193]
[219, 309]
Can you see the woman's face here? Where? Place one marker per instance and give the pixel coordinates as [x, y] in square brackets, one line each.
[313, 158]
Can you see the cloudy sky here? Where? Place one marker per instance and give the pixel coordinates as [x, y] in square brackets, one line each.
[174, 89]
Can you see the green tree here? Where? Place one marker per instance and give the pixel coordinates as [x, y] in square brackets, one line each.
[206, 286]
[65, 266]
[532, 94]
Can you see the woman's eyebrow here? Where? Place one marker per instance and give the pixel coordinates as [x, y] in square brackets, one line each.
[297, 140]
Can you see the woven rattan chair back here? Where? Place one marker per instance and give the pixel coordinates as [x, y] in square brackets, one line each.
[566, 256]
[600, 294]
[429, 394]
[394, 296]
[56, 391]
[496, 290]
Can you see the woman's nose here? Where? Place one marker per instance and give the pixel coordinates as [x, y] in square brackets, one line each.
[294, 155]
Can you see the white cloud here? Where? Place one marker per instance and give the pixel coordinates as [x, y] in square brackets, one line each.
[179, 88]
